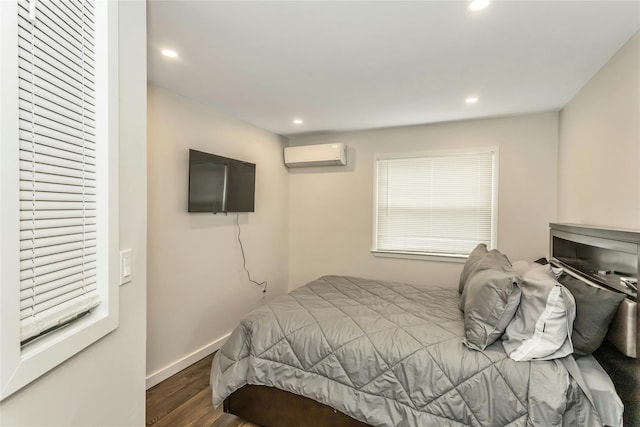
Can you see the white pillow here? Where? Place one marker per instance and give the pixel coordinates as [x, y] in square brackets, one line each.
[541, 328]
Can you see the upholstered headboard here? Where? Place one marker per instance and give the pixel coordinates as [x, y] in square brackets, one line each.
[607, 258]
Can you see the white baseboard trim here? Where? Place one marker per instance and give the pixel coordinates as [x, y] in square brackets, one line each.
[177, 366]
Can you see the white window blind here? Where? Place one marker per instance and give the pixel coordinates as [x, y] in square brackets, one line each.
[57, 141]
[441, 204]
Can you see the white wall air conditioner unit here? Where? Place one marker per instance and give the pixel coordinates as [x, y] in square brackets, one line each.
[334, 154]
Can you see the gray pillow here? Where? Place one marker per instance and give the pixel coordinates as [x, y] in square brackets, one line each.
[472, 261]
[595, 308]
[491, 297]
[479, 260]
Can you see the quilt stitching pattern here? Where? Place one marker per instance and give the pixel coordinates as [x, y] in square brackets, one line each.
[286, 336]
[389, 366]
[370, 334]
[424, 407]
[387, 369]
[475, 418]
[330, 354]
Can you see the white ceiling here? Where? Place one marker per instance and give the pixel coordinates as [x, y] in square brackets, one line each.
[359, 65]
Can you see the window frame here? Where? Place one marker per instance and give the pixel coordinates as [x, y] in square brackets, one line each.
[20, 366]
[429, 256]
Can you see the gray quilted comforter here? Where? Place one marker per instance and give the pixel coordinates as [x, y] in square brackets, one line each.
[391, 354]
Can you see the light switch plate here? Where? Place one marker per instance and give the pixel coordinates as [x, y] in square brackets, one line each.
[125, 266]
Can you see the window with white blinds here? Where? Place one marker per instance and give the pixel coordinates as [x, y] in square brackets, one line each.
[59, 183]
[57, 163]
[441, 204]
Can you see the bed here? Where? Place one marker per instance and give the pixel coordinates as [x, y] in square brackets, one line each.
[350, 351]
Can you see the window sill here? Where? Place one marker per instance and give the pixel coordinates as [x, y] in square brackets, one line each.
[455, 258]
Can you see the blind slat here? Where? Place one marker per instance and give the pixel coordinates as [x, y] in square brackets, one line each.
[55, 275]
[36, 70]
[60, 299]
[50, 122]
[53, 24]
[27, 138]
[70, 10]
[59, 34]
[57, 116]
[45, 224]
[28, 215]
[57, 109]
[75, 234]
[45, 255]
[39, 233]
[42, 300]
[26, 169]
[43, 89]
[39, 205]
[62, 280]
[45, 187]
[54, 51]
[27, 285]
[45, 196]
[40, 129]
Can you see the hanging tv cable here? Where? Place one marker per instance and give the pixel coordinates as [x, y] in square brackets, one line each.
[244, 259]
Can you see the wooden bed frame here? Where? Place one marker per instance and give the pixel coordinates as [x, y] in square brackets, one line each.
[271, 407]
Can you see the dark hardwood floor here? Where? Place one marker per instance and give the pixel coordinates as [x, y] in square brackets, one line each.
[185, 400]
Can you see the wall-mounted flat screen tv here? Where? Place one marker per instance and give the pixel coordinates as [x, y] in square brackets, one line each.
[220, 184]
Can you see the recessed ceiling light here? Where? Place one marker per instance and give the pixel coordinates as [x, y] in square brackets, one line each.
[478, 4]
[170, 53]
[297, 121]
[471, 100]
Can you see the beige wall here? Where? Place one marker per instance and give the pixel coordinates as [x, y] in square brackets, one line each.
[331, 207]
[599, 146]
[198, 290]
[106, 380]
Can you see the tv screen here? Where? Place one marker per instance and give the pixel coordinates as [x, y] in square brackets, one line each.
[220, 184]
